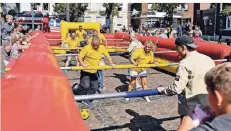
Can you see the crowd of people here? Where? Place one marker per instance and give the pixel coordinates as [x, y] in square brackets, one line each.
[15, 39]
[166, 31]
[200, 84]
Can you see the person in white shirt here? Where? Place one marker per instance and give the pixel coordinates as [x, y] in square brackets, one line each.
[135, 44]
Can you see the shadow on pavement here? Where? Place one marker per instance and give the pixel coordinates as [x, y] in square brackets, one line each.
[140, 123]
[122, 77]
[122, 88]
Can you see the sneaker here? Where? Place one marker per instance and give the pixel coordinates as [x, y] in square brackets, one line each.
[147, 98]
[127, 99]
[87, 103]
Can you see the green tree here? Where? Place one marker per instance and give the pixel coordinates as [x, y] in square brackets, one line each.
[226, 11]
[111, 10]
[168, 8]
[76, 10]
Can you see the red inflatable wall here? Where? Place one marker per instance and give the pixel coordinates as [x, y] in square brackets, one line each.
[214, 50]
[36, 95]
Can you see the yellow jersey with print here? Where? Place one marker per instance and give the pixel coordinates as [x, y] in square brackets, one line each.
[141, 58]
[80, 34]
[73, 43]
[92, 57]
[101, 39]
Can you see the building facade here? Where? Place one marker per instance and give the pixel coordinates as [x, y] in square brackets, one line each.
[93, 15]
[43, 7]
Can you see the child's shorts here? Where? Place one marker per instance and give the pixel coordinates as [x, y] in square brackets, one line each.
[136, 74]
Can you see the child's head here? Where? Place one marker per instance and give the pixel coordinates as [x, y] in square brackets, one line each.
[25, 38]
[218, 81]
[17, 38]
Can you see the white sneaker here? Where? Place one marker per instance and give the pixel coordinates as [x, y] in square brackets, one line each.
[127, 99]
[147, 98]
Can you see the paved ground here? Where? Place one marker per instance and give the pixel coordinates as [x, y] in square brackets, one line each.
[136, 115]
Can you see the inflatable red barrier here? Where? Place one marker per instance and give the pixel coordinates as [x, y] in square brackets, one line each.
[212, 49]
[36, 95]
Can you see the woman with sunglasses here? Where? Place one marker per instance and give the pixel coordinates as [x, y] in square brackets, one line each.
[139, 57]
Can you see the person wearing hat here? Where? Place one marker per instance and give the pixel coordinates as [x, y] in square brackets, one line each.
[189, 80]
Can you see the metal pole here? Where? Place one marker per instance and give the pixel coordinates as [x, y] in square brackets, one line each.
[215, 22]
[67, 12]
[32, 14]
[127, 94]
[122, 66]
[118, 53]
[127, 66]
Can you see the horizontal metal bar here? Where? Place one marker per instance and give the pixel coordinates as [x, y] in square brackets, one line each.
[162, 52]
[127, 66]
[221, 60]
[128, 94]
[106, 39]
[111, 54]
[99, 96]
[119, 53]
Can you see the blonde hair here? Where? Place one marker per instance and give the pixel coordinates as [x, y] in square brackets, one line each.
[151, 43]
[16, 37]
[219, 79]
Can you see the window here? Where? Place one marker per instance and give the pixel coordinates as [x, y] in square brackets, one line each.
[45, 6]
[119, 8]
[98, 19]
[87, 19]
[119, 21]
[34, 6]
[228, 22]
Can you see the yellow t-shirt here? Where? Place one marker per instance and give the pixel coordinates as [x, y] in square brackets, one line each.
[73, 43]
[80, 34]
[142, 58]
[101, 39]
[66, 42]
[92, 57]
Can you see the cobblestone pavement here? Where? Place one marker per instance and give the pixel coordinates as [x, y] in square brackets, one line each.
[136, 115]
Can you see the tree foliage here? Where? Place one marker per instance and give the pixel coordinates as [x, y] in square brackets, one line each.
[76, 10]
[168, 8]
[111, 10]
[226, 11]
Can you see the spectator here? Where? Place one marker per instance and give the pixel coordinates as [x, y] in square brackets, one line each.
[18, 28]
[38, 28]
[173, 34]
[190, 31]
[188, 83]
[2, 60]
[124, 29]
[7, 29]
[130, 30]
[16, 47]
[198, 31]
[7, 33]
[90, 55]
[139, 57]
[179, 30]
[218, 82]
[157, 33]
[162, 34]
